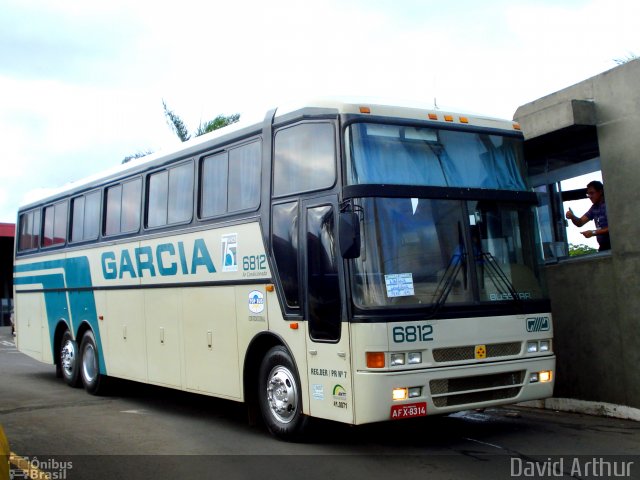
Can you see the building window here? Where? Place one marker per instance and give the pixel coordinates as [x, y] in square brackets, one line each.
[565, 191]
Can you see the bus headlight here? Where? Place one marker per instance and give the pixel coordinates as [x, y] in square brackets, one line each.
[415, 392]
[545, 345]
[402, 393]
[399, 394]
[397, 359]
[413, 358]
[543, 377]
[532, 347]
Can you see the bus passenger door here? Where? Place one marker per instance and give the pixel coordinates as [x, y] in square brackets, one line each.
[328, 357]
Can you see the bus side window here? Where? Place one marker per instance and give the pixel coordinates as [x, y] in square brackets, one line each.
[29, 230]
[55, 224]
[285, 250]
[322, 270]
[122, 210]
[304, 158]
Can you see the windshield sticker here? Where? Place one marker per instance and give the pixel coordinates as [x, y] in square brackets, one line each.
[230, 252]
[399, 285]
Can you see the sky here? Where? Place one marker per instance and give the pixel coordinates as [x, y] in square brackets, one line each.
[82, 82]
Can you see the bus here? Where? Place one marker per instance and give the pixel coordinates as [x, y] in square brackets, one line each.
[345, 261]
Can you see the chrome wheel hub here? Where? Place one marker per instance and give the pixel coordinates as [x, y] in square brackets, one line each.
[68, 357]
[282, 394]
[89, 364]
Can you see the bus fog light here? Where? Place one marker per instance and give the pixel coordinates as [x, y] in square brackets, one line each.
[415, 392]
[545, 376]
[532, 347]
[397, 359]
[400, 394]
[414, 358]
[545, 345]
[533, 378]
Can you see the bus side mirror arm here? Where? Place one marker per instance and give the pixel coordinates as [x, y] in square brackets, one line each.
[349, 234]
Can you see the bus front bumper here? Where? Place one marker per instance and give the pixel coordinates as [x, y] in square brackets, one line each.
[450, 389]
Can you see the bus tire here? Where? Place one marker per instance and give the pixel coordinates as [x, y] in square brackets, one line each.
[279, 395]
[93, 381]
[68, 358]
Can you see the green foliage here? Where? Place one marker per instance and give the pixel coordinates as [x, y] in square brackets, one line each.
[176, 123]
[576, 250]
[128, 158]
[218, 122]
[180, 129]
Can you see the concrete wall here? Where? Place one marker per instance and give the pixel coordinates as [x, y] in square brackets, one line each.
[596, 301]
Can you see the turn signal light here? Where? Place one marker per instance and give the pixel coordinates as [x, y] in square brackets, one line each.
[375, 359]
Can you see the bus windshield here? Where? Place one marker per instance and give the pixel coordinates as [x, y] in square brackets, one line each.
[428, 252]
[419, 252]
[405, 155]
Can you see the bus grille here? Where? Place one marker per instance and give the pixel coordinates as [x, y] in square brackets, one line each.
[459, 391]
[454, 354]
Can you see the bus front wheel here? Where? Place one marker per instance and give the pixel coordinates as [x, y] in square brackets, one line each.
[279, 395]
[69, 365]
[92, 379]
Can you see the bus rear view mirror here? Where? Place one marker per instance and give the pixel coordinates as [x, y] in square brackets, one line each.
[349, 235]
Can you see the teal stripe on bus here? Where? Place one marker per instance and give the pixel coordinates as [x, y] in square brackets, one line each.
[82, 304]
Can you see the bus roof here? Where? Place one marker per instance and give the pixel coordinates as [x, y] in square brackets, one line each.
[252, 125]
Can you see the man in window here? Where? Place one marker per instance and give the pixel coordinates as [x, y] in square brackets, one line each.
[597, 213]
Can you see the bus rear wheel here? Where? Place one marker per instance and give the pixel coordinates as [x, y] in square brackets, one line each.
[69, 360]
[92, 379]
[279, 395]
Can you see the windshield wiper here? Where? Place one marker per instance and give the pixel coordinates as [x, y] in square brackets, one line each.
[447, 282]
[499, 276]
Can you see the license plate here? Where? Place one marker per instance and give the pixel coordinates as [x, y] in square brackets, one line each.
[409, 410]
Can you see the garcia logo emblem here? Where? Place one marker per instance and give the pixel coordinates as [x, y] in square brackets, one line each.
[538, 324]
[230, 252]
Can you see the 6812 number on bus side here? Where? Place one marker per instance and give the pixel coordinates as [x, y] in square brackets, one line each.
[412, 333]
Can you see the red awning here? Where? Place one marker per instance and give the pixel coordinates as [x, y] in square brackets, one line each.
[7, 230]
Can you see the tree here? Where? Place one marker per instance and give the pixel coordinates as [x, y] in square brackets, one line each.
[576, 250]
[180, 129]
[128, 158]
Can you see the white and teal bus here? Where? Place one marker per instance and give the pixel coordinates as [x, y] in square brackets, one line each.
[351, 262]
